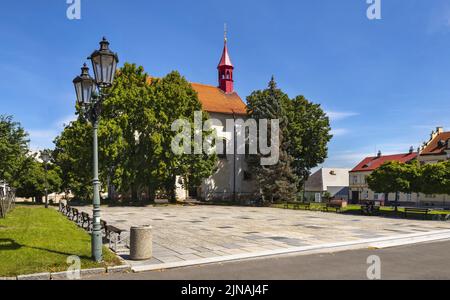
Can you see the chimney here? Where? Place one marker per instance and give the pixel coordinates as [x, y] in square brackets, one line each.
[439, 130]
[411, 150]
[379, 154]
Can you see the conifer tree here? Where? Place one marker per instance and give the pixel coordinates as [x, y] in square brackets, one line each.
[276, 182]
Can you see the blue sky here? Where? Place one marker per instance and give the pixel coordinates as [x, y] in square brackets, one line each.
[385, 83]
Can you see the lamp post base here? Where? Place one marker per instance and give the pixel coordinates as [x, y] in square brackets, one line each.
[97, 245]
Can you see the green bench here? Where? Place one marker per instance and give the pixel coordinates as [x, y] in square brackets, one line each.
[297, 205]
[416, 211]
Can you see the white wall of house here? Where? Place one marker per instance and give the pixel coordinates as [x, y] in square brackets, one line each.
[358, 183]
[221, 185]
[326, 180]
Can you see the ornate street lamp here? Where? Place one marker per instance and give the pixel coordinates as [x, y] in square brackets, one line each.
[84, 86]
[45, 156]
[104, 63]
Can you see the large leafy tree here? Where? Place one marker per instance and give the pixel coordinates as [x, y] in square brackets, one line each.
[309, 134]
[304, 136]
[135, 138]
[176, 100]
[34, 180]
[278, 181]
[435, 178]
[391, 177]
[13, 150]
[73, 155]
[128, 131]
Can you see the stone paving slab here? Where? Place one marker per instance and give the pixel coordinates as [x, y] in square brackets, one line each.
[183, 233]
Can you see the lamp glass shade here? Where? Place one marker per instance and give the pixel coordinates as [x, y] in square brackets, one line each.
[84, 86]
[104, 63]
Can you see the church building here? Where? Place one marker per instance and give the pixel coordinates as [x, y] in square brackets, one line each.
[231, 181]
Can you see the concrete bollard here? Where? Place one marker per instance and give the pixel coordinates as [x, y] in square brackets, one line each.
[141, 243]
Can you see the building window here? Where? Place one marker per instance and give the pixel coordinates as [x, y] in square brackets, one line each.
[247, 176]
[366, 195]
[318, 197]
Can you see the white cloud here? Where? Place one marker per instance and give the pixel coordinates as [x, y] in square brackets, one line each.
[41, 134]
[339, 131]
[340, 115]
[345, 159]
[66, 121]
[43, 138]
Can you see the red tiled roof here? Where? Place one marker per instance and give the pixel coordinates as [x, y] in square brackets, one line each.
[215, 100]
[434, 147]
[373, 163]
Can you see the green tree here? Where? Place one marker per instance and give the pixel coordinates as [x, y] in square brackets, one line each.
[129, 132]
[73, 155]
[391, 177]
[176, 100]
[134, 138]
[309, 134]
[435, 178]
[13, 150]
[34, 181]
[276, 182]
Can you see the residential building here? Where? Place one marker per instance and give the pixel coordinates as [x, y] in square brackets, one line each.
[359, 188]
[437, 149]
[334, 181]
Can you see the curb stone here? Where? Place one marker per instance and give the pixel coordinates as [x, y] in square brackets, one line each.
[59, 275]
[8, 278]
[38, 276]
[96, 271]
[119, 269]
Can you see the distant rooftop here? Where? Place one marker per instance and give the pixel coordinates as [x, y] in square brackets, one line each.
[374, 162]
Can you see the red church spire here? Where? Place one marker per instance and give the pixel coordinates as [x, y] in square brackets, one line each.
[225, 68]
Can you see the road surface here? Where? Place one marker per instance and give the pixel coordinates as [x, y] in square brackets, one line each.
[423, 261]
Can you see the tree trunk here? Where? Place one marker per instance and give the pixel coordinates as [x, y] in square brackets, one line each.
[151, 193]
[171, 190]
[396, 201]
[134, 194]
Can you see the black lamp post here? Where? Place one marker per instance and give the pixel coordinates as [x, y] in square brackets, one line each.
[45, 156]
[104, 63]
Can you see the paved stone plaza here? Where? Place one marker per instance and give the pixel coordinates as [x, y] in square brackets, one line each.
[185, 233]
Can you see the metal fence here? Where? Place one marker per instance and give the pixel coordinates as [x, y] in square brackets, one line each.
[7, 201]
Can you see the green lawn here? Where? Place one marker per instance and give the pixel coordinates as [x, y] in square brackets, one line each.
[34, 239]
[387, 210]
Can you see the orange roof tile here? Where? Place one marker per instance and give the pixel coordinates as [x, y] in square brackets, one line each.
[215, 100]
[373, 163]
[435, 147]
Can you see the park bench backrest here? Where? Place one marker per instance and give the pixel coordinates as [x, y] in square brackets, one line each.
[413, 209]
